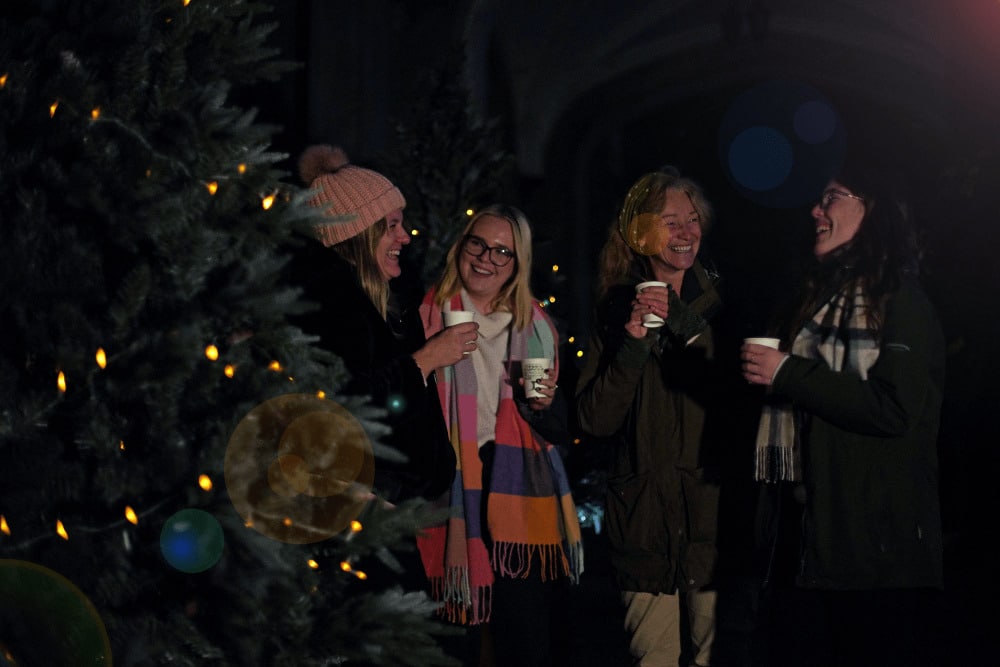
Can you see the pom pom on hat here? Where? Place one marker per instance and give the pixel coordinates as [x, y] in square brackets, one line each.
[353, 198]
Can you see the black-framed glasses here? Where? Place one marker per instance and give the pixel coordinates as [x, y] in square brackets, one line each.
[832, 195]
[498, 255]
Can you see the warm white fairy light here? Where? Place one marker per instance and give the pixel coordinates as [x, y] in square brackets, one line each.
[205, 482]
[61, 530]
[101, 358]
[4, 528]
[229, 370]
[131, 516]
[212, 187]
[61, 381]
[52, 108]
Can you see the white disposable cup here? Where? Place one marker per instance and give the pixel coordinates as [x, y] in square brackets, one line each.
[773, 343]
[651, 320]
[453, 317]
[533, 370]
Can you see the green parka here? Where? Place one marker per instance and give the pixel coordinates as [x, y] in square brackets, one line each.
[872, 514]
[660, 403]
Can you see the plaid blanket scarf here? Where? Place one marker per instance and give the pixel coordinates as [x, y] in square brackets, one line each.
[838, 334]
[530, 516]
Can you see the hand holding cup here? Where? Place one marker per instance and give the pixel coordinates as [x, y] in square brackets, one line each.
[761, 358]
[649, 309]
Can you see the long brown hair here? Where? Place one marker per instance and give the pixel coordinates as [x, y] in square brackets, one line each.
[882, 253]
[618, 261]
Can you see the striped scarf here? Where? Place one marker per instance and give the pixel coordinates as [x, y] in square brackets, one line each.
[530, 516]
[838, 334]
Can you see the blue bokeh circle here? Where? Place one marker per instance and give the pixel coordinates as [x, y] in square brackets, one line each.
[760, 158]
[192, 540]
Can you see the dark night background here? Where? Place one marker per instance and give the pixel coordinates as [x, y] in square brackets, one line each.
[592, 94]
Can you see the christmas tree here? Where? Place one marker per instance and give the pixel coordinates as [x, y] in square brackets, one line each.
[145, 356]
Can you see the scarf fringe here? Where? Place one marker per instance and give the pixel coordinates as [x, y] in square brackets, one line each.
[461, 603]
[775, 463]
[514, 560]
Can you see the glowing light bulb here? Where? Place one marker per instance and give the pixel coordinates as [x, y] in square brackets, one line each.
[229, 370]
[95, 113]
[571, 339]
[101, 358]
[287, 521]
[345, 566]
[242, 168]
[313, 564]
[469, 212]
[360, 575]
[414, 232]
[555, 268]
[205, 482]
[267, 202]
[274, 366]
[212, 187]
[212, 352]
[52, 108]
[579, 353]
[4, 528]
[356, 526]
[3, 80]
[320, 394]
[121, 445]
[61, 381]
[131, 516]
[61, 529]
[552, 299]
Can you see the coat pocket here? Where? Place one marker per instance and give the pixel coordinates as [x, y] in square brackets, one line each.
[633, 517]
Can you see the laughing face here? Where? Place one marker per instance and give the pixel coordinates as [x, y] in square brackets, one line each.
[493, 239]
[387, 253]
[838, 215]
[684, 226]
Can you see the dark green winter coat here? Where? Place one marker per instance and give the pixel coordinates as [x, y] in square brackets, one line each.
[663, 407]
[872, 514]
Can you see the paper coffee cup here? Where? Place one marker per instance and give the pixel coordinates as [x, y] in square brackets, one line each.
[533, 370]
[651, 320]
[773, 343]
[453, 317]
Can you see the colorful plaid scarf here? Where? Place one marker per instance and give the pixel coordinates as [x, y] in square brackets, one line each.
[838, 334]
[530, 515]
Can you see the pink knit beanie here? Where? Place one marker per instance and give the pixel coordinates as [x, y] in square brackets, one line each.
[353, 198]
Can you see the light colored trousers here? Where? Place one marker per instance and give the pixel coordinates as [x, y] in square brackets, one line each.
[653, 621]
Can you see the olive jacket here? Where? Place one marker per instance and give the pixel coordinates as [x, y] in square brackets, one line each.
[872, 514]
[660, 402]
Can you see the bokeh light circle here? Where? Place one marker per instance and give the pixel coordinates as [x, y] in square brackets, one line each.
[780, 142]
[46, 620]
[760, 158]
[815, 122]
[299, 468]
[646, 234]
[192, 540]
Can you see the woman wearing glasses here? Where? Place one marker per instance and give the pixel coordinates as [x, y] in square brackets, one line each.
[848, 442]
[512, 538]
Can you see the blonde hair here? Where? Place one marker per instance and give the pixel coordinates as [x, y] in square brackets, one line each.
[360, 251]
[618, 261]
[515, 295]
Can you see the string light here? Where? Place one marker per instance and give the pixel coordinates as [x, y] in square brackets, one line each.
[576, 441]
[242, 168]
[552, 299]
[356, 526]
[579, 353]
[61, 529]
[52, 108]
[205, 482]
[469, 212]
[414, 232]
[345, 566]
[61, 382]
[274, 366]
[212, 187]
[131, 516]
[320, 394]
[360, 575]
[555, 268]
[121, 445]
[571, 339]
[101, 358]
[313, 564]
[229, 370]
[212, 352]
[4, 528]
[3, 80]
[95, 113]
[287, 521]
[267, 202]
